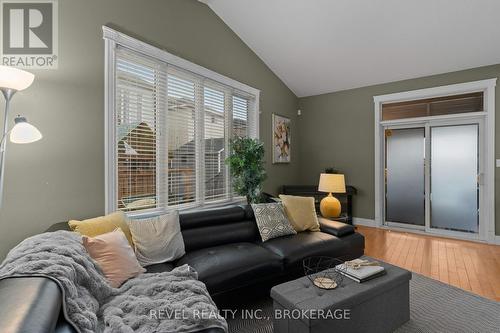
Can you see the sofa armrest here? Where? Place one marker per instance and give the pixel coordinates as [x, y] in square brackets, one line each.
[335, 228]
[58, 226]
[29, 304]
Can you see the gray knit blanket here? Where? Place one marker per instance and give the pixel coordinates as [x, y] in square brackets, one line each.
[161, 302]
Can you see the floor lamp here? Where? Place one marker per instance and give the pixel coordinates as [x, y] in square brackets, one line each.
[13, 80]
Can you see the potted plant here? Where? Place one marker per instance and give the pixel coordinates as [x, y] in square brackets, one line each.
[246, 164]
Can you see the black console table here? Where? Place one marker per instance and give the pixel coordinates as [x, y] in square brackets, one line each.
[312, 191]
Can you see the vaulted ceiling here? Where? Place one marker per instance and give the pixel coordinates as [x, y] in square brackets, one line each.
[321, 46]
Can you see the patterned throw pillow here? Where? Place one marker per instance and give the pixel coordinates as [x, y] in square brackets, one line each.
[271, 221]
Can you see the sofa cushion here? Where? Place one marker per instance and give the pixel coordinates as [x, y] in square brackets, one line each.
[218, 226]
[216, 235]
[294, 249]
[209, 217]
[226, 267]
[335, 228]
[160, 268]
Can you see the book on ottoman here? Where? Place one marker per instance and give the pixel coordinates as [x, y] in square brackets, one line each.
[362, 273]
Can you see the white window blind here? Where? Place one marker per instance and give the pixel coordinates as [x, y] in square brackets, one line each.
[172, 129]
[240, 116]
[181, 129]
[215, 144]
[139, 115]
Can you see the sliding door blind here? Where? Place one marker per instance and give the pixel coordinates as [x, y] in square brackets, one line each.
[173, 130]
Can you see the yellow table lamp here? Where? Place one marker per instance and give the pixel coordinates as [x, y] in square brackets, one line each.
[331, 183]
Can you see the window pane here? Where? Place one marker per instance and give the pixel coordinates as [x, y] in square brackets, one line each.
[240, 116]
[215, 144]
[137, 84]
[171, 131]
[405, 186]
[454, 170]
[181, 120]
[438, 106]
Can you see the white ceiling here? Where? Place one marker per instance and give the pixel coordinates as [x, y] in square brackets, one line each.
[320, 46]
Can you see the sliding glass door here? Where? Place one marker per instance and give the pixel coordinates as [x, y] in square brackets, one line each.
[454, 176]
[405, 183]
[432, 176]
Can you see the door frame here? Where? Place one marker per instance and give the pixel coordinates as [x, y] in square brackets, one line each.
[487, 199]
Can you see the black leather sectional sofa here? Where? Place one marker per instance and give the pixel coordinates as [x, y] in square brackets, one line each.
[223, 245]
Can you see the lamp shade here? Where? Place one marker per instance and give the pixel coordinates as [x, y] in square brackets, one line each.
[16, 79]
[331, 183]
[24, 132]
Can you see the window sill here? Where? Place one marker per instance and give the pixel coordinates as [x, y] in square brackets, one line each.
[214, 204]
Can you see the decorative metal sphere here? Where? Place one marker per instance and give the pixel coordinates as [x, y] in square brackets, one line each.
[321, 271]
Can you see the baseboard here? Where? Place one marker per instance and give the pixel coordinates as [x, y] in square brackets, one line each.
[371, 223]
[364, 222]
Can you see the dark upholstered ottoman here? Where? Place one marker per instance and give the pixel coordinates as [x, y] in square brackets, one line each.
[378, 305]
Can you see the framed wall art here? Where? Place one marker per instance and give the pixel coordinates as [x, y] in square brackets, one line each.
[281, 139]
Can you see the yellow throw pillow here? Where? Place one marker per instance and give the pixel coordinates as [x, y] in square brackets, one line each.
[101, 225]
[301, 212]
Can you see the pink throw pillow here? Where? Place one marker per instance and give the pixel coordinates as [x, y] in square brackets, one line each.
[114, 255]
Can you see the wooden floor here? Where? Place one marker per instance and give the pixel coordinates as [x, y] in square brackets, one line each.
[468, 265]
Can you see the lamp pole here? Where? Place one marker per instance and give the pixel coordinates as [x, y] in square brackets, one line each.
[13, 80]
[7, 93]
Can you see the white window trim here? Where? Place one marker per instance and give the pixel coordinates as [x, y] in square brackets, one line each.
[113, 38]
[488, 114]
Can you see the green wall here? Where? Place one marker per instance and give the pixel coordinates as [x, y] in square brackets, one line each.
[62, 176]
[337, 129]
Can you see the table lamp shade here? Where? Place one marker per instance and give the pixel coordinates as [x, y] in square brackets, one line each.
[15, 79]
[331, 183]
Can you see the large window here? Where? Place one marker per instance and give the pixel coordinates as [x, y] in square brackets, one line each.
[169, 123]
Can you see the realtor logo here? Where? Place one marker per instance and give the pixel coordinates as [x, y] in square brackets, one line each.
[29, 34]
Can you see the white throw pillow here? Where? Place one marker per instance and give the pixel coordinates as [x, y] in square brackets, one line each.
[157, 239]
